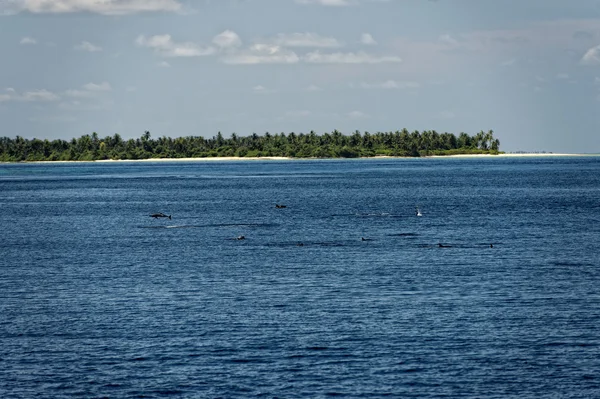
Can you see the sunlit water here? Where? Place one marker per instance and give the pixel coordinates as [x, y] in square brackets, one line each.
[97, 299]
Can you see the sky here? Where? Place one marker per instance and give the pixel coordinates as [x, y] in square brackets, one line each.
[528, 70]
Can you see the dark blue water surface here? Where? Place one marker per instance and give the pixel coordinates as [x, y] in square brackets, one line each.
[97, 299]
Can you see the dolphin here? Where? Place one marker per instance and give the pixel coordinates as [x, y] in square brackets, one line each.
[160, 215]
[280, 206]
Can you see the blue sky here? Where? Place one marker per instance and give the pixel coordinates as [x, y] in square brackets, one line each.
[529, 70]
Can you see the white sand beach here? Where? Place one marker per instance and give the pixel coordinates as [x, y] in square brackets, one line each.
[229, 159]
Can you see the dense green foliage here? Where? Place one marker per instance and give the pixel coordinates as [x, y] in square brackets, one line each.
[329, 145]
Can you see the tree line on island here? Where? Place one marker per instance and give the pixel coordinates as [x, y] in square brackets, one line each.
[400, 143]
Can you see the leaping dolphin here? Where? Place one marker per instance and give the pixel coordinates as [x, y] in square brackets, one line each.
[160, 215]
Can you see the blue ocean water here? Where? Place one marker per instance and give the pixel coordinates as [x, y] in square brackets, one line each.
[99, 300]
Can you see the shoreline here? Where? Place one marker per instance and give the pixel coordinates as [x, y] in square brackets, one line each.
[230, 159]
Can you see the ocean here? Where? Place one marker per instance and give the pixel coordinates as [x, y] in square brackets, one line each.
[494, 292]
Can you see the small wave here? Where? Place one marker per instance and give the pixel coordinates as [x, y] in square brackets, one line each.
[570, 264]
[571, 344]
[304, 244]
[317, 348]
[183, 226]
[218, 225]
[376, 214]
[169, 392]
[255, 360]
[243, 225]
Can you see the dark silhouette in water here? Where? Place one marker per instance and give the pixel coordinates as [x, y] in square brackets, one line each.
[491, 245]
[278, 206]
[160, 215]
[241, 238]
[300, 244]
[443, 246]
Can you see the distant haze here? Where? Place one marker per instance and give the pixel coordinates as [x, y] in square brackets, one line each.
[529, 70]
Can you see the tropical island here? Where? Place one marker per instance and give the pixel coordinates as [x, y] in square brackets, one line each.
[400, 143]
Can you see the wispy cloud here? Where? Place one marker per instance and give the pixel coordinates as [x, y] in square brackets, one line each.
[227, 40]
[390, 84]
[446, 115]
[262, 54]
[105, 7]
[508, 63]
[104, 86]
[360, 57]
[306, 40]
[313, 88]
[166, 47]
[87, 46]
[357, 115]
[332, 3]
[42, 95]
[449, 40]
[28, 40]
[260, 89]
[367, 39]
[592, 56]
[89, 90]
[301, 113]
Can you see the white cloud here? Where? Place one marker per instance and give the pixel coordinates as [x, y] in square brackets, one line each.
[306, 40]
[164, 64]
[87, 46]
[313, 88]
[592, 56]
[10, 90]
[166, 47]
[390, 84]
[28, 40]
[262, 54]
[334, 3]
[360, 57]
[4, 97]
[227, 39]
[597, 80]
[106, 7]
[367, 39]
